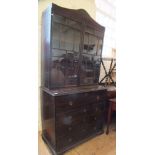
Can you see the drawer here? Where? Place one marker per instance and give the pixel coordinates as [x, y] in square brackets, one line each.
[78, 116]
[64, 142]
[68, 118]
[81, 133]
[72, 126]
[70, 102]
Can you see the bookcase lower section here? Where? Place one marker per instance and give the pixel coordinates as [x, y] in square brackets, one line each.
[71, 119]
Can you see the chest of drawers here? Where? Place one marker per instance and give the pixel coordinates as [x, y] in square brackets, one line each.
[71, 116]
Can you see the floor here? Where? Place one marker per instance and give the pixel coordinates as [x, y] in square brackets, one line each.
[100, 145]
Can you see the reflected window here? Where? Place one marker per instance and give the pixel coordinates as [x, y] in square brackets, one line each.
[87, 70]
[99, 51]
[90, 44]
[77, 39]
[58, 71]
[72, 68]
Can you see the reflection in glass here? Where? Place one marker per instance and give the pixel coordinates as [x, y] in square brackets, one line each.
[90, 30]
[56, 35]
[90, 44]
[73, 24]
[59, 19]
[86, 43]
[76, 40]
[58, 53]
[58, 71]
[87, 70]
[65, 54]
[66, 39]
[97, 62]
[72, 68]
[93, 41]
[99, 47]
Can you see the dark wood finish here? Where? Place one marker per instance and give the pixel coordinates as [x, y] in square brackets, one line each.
[71, 48]
[67, 119]
[73, 103]
[112, 108]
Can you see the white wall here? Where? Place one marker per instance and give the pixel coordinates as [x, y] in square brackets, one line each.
[105, 15]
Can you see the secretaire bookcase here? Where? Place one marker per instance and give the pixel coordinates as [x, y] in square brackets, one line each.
[72, 105]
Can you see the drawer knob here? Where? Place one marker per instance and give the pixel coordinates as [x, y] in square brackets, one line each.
[83, 130]
[70, 103]
[96, 109]
[98, 97]
[94, 118]
[84, 110]
[70, 128]
[84, 120]
[70, 139]
[94, 128]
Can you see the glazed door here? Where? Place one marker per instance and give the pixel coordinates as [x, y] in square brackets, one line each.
[65, 49]
[91, 56]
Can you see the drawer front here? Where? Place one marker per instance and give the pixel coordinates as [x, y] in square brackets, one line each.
[68, 122]
[82, 132]
[78, 116]
[70, 102]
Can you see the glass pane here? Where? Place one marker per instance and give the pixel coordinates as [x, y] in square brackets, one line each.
[86, 43]
[58, 71]
[87, 70]
[66, 39]
[90, 44]
[62, 37]
[99, 48]
[69, 38]
[59, 19]
[97, 62]
[76, 40]
[66, 21]
[90, 30]
[72, 68]
[58, 53]
[73, 24]
[93, 41]
[56, 35]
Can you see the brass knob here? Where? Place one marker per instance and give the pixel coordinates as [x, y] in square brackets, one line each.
[83, 130]
[70, 139]
[84, 120]
[98, 97]
[70, 128]
[70, 103]
[84, 110]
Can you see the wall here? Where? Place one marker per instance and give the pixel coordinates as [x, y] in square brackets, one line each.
[88, 5]
[105, 15]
